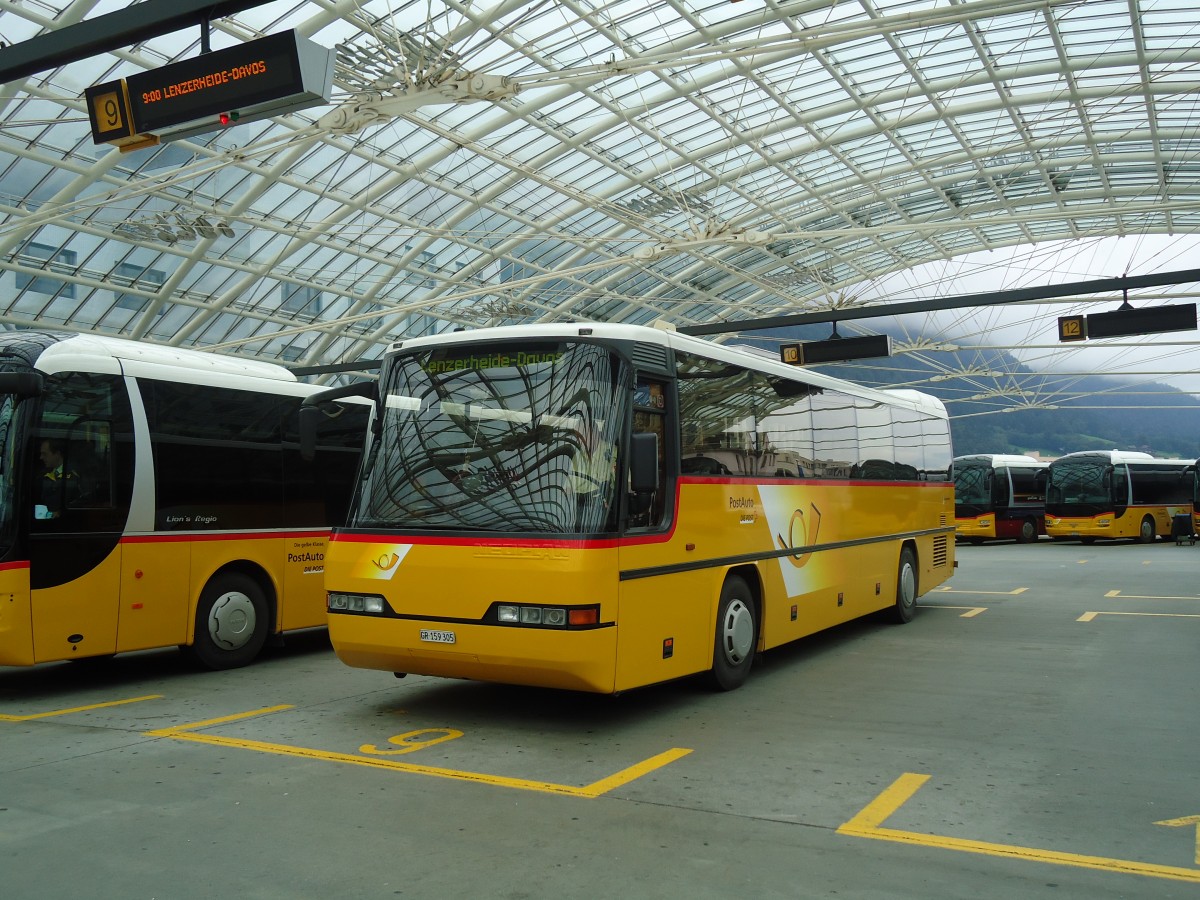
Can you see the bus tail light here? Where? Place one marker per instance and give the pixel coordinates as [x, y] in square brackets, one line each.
[585, 616]
[545, 616]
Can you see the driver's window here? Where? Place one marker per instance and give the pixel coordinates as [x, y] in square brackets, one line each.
[649, 417]
[72, 451]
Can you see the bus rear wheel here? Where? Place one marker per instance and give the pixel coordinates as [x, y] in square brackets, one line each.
[231, 622]
[1148, 532]
[1028, 532]
[736, 636]
[906, 587]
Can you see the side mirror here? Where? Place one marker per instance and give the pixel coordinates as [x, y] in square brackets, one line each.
[310, 421]
[311, 414]
[21, 384]
[643, 463]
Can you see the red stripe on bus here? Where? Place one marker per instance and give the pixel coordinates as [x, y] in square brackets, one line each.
[441, 541]
[742, 480]
[173, 537]
[18, 564]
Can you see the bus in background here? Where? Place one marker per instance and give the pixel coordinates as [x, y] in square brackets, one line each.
[1116, 494]
[1194, 522]
[999, 495]
[739, 504]
[152, 497]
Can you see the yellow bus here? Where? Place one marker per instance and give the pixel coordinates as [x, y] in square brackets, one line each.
[1113, 494]
[600, 507]
[152, 497]
[999, 495]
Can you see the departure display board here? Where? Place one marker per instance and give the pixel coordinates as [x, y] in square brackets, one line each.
[221, 81]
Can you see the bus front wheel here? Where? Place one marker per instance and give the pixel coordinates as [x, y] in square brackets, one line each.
[1148, 532]
[231, 622]
[1028, 533]
[906, 587]
[736, 637]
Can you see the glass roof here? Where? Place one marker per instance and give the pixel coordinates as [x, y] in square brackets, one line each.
[490, 163]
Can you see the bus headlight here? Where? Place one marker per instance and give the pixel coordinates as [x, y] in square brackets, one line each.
[363, 603]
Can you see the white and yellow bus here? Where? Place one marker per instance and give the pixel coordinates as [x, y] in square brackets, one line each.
[1113, 494]
[152, 497]
[738, 504]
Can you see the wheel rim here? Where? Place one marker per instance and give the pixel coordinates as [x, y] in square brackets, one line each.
[1147, 529]
[1028, 531]
[908, 585]
[231, 621]
[737, 633]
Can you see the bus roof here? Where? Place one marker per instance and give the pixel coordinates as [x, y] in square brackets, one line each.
[761, 360]
[999, 459]
[1116, 456]
[61, 351]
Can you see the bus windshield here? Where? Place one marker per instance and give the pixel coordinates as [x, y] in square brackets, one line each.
[1079, 481]
[971, 485]
[8, 481]
[513, 438]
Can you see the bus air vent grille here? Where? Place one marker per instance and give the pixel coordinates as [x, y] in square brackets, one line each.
[940, 551]
[649, 356]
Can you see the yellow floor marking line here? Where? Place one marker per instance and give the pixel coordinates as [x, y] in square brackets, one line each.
[1194, 821]
[971, 611]
[589, 791]
[1089, 616]
[868, 824]
[1012, 593]
[74, 709]
[1139, 597]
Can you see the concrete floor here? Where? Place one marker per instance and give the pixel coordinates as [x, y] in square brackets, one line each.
[1004, 744]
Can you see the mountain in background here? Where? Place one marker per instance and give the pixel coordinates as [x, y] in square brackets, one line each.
[1165, 422]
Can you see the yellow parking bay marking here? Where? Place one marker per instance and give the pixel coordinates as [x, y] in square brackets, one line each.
[1139, 597]
[1089, 616]
[589, 791]
[1186, 820]
[1012, 593]
[868, 824]
[74, 709]
[971, 611]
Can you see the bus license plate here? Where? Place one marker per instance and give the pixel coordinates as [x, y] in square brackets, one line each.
[437, 637]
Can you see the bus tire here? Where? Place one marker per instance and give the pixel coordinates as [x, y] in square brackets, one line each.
[906, 587]
[1028, 533]
[1149, 531]
[231, 622]
[736, 635]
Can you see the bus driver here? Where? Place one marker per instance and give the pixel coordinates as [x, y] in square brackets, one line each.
[58, 486]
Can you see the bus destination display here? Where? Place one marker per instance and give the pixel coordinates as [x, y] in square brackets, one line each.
[224, 80]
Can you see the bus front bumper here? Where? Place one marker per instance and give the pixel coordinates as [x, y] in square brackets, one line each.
[579, 660]
[982, 527]
[1079, 526]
